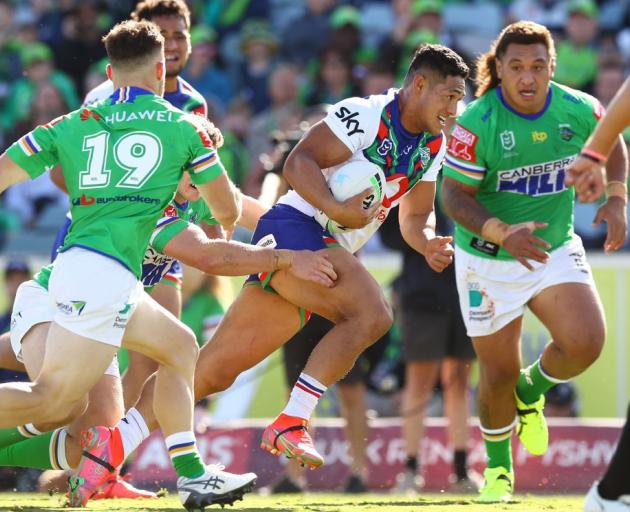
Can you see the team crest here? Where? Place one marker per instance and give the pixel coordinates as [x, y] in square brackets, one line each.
[507, 140]
[425, 155]
[566, 132]
[385, 147]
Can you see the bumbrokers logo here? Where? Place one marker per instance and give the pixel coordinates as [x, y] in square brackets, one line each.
[84, 200]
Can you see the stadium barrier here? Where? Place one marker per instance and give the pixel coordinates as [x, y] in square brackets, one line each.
[579, 451]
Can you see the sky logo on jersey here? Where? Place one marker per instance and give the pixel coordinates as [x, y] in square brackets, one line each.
[347, 117]
[536, 179]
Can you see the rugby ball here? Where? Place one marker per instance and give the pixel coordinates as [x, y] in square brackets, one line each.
[352, 177]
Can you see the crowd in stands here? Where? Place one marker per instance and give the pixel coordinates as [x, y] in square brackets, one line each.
[261, 64]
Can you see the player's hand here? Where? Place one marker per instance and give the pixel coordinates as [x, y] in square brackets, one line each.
[314, 267]
[352, 213]
[613, 211]
[439, 252]
[523, 245]
[587, 177]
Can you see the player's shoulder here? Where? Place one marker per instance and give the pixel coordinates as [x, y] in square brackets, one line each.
[480, 110]
[189, 90]
[570, 99]
[99, 93]
[365, 105]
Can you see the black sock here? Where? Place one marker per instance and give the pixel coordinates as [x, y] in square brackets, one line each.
[412, 463]
[459, 464]
[615, 481]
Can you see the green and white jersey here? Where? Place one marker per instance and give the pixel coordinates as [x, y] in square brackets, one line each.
[518, 162]
[122, 159]
[175, 218]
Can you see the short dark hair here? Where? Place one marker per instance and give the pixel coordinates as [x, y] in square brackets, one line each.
[130, 42]
[148, 9]
[437, 59]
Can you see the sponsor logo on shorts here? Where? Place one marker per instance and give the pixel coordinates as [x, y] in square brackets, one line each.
[579, 259]
[120, 322]
[535, 180]
[267, 241]
[72, 308]
[480, 305]
[137, 198]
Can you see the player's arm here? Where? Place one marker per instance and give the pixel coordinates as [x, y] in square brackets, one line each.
[586, 172]
[253, 209]
[224, 199]
[460, 203]
[57, 177]
[614, 210]
[221, 257]
[416, 217]
[10, 173]
[320, 149]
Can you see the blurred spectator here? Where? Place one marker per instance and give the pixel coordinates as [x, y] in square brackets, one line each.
[377, 79]
[95, 75]
[38, 70]
[610, 77]
[334, 80]
[562, 401]
[345, 36]
[203, 71]
[577, 55]
[304, 38]
[551, 13]
[234, 154]
[283, 113]
[16, 272]
[260, 47]
[81, 45]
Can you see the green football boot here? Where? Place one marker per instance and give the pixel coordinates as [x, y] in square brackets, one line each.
[498, 486]
[532, 427]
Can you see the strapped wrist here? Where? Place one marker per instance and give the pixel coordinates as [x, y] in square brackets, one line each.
[494, 230]
[282, 259]
[616, 188]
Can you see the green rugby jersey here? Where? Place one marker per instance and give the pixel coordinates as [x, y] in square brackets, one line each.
[122, 159]
[518, 162]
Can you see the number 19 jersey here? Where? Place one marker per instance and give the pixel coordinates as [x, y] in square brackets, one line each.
[122, 159]
[518, 162]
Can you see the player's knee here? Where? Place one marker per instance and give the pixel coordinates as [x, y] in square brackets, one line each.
[377, 321]
[213, 381]
[184, 351]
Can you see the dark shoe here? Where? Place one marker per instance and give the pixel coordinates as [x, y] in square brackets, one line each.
[355, 485]
[286, 485]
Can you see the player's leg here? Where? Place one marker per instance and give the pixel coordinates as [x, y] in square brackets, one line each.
[423, 337]
[140, 366]
[353, 408]
[455, 378]
[606, 495]
[8, 360]
[498, 355]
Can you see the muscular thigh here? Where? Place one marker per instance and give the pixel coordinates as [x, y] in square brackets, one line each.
[569, 310]
[257, 323]
[355, 291]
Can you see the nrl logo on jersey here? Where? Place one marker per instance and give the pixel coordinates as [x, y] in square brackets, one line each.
[507, 139]
[566, 132]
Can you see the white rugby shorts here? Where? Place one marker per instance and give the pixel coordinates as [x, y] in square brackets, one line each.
[33, 306]
[93, 295]
[492, 293]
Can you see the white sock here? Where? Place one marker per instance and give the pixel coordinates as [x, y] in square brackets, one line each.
[133, 430]
[304, 397]
[57, 449]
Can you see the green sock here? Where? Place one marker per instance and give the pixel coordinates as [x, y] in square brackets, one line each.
[46, 451]
[182, 448]
[533, 382]
[498, 446]
[9, 436]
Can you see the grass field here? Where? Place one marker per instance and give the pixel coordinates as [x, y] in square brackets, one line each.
[15, 502]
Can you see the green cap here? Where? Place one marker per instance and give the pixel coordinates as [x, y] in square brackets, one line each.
[421, 36]
[425, 6]
[200, 34]
[35, 52]
[345, 15]
[257, 31]
[586, 7]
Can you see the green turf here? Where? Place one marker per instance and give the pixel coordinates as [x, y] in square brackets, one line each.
[310, 503]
